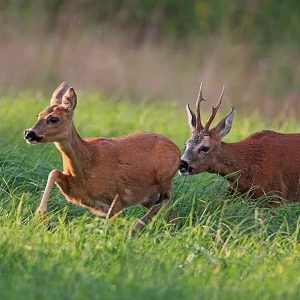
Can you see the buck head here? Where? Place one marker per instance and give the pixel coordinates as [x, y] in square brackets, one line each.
[201, 150]
[55, 121]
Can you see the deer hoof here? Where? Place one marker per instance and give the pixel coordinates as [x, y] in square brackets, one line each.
[41, 214]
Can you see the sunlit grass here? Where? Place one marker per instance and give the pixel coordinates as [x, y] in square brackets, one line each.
[219, 246]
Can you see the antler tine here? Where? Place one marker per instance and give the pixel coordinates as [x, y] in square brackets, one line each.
[199, 125]
[214, 110]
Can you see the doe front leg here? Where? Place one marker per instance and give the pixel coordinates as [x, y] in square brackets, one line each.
[54, 176]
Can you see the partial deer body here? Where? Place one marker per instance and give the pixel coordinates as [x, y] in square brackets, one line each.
[266, 162]
[104, 174]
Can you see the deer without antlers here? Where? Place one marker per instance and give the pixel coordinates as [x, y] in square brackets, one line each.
[104, 174]
[265, 162]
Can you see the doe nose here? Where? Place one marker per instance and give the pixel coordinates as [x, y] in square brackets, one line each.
[183, 167]
[29, 134]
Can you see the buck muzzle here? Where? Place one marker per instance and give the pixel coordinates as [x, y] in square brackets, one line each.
[185, 169]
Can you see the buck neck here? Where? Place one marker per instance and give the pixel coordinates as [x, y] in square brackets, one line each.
[74, 152]
[232, 158]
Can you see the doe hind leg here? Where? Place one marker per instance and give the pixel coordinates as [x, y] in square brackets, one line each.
[162, 201]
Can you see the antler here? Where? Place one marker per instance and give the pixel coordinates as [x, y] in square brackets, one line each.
[199, 125]
[214, 111]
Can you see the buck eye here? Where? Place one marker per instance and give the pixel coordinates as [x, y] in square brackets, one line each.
[52, 119]
[204, 149]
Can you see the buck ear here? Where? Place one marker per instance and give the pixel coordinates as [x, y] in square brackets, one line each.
[224, 126]
[191, 118]
[69, 100]
[57, 95]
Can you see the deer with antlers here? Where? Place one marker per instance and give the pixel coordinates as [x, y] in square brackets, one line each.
[104, 174]
[266, 162]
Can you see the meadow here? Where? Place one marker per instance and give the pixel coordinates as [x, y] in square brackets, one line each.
[219, 247]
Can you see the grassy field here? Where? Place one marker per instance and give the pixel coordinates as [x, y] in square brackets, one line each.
[221, 247]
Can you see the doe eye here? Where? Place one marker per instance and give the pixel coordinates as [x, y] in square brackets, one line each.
[52, 119]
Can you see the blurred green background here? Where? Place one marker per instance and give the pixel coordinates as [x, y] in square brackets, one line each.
[157, 49]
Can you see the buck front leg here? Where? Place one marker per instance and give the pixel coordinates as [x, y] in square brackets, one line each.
[54, 176]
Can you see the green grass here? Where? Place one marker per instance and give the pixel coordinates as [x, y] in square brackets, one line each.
[220, 247]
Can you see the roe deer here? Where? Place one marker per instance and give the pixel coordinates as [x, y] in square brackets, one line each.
[265, 162]
[104, 174]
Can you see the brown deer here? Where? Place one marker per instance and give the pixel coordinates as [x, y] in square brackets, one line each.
[266, 162]
[104, 174]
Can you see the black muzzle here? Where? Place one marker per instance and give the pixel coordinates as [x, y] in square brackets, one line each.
[31, 136]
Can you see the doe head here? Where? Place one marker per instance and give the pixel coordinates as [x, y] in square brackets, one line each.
[55, 121]
[201, 150]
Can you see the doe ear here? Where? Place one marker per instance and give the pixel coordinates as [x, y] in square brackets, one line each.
[58, 94]
[224, 126]
[69, 100]
[191, 118]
